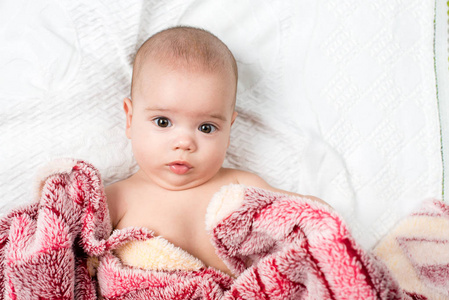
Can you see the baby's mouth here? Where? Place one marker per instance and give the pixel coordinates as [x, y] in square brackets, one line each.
[179, 167]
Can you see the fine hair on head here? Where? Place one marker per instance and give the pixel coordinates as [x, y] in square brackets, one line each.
[187, 48]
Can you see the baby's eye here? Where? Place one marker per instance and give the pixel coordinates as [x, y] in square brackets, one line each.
[207, 128]
[162, 122]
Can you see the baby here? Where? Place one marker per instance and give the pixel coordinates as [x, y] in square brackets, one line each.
[179, 119]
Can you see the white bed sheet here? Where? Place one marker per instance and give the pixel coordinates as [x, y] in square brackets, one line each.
[337, 98]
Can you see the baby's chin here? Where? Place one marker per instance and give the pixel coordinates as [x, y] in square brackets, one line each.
[180, 185]
[171, 181]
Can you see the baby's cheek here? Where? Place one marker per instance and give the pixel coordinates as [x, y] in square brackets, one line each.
[141, 150]
[218, 155]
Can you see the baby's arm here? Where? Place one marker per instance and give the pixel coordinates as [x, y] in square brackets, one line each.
[116, 202]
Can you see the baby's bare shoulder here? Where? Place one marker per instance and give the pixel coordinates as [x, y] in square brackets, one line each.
[236, 176]
[251, 179]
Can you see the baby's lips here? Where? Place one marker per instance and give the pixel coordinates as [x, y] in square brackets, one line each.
[179, 168]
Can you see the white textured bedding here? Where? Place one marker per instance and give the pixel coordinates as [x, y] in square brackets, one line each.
[337, 98]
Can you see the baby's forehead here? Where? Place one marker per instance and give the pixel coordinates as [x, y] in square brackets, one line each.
[154, 65]
[157, 77]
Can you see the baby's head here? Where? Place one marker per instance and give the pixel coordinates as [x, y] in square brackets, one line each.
[182, 108]
[184, 48]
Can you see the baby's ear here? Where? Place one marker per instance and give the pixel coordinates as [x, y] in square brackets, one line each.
[234, 116]
[128, 107]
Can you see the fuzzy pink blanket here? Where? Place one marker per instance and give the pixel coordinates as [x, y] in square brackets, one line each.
[278, 246]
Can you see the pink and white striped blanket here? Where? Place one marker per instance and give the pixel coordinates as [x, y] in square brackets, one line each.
[277, 246]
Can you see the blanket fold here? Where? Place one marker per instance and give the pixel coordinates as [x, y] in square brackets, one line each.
[278, 247]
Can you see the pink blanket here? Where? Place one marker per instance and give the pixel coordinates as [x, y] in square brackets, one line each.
[278, 246]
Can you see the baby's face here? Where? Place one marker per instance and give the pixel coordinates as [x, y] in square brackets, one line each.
[179, 123]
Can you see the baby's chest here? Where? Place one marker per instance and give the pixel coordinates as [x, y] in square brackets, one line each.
[179, 220]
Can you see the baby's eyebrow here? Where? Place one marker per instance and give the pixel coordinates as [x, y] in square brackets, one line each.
[219, 117]
[156, 109]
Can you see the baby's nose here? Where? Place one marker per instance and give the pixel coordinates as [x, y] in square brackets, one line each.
[184, 142]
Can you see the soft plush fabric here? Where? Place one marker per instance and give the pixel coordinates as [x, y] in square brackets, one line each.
[417, 251]
[277, 246]
[157, 254]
